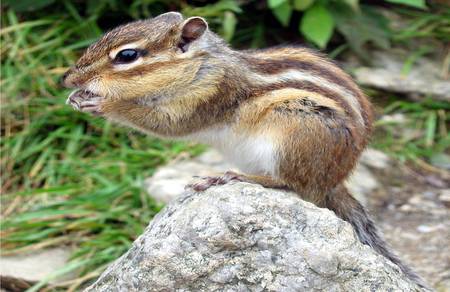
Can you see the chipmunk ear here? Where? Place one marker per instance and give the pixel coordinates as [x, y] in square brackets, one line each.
[192, 29]
[170, 17]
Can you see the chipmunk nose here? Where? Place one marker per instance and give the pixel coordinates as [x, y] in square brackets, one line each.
[65, 81]
[64, 78]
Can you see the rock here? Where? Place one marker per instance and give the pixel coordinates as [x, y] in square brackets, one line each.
[375, 158]
[243, 237]
[425, 77]
[397, 118]
[20, 270]
[441, 160]
[444, 285]
[444, 197]
[361, 183]
[169, 181]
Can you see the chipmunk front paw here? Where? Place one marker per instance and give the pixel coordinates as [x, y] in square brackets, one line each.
[85, 101]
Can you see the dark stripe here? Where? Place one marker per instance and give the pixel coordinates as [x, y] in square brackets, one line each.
[276, 66]
[307, 86]
[148, 68]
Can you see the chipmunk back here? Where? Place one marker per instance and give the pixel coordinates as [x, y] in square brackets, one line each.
[287, 117]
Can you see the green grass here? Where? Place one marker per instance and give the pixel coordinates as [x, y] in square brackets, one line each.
[72, 179]
[417, 131]
[67, 178]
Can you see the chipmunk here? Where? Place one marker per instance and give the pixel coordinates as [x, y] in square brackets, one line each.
[287, 117]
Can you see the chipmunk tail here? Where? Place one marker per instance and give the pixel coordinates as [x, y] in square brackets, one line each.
[349, 209]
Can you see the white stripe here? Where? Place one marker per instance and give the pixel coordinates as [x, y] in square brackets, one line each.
[113, 52]
[321, 82]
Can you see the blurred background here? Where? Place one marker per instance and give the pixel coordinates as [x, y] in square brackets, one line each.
[72, 184]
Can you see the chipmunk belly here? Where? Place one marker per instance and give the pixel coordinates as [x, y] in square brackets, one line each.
[252, 153]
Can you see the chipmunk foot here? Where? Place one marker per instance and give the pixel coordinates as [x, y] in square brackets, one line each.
[85, 101]
[209, 181]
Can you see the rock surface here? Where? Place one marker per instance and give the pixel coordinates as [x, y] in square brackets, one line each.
[425, 77]
[21, 270]
[242, 237]
[414, 217]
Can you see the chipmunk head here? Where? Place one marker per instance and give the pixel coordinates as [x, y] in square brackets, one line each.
[143, 57]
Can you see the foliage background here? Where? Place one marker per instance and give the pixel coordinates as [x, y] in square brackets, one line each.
[72, 179]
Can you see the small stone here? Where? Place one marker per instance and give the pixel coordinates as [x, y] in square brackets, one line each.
[362, 183]
[36, 266]
[407, 208]
[435, 181]
[428, 229]
[444, 197]
[430, 195]
[441, 160]
[375, 158]
[397, 118]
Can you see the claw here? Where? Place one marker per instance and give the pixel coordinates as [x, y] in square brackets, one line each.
[85, 102]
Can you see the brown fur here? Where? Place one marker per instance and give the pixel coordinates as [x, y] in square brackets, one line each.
[189, 82]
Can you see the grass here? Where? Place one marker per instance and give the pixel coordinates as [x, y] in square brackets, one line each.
[72, 179]
[414, 131]
[67, 178]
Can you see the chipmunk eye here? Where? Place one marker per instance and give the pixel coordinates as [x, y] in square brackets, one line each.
[126, 56]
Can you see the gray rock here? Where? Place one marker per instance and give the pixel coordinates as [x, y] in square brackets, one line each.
[375, 159]
[169, 181]
[243, 237]
[362, 183]
[425, 77]
[444, 197]
[37, 266]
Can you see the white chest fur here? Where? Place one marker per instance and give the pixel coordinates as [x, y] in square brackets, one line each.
[253, 154]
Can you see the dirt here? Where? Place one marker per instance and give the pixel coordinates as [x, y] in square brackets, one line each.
[412, 209]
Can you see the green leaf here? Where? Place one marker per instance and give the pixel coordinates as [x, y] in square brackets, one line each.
[430, 129]
[361, 27]
[283, 13]
[354, 4]
[417, 54]
[276, 3]
[212, 10]
[258, 39]
[302, 5]
[413, 3]
[317, 25]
